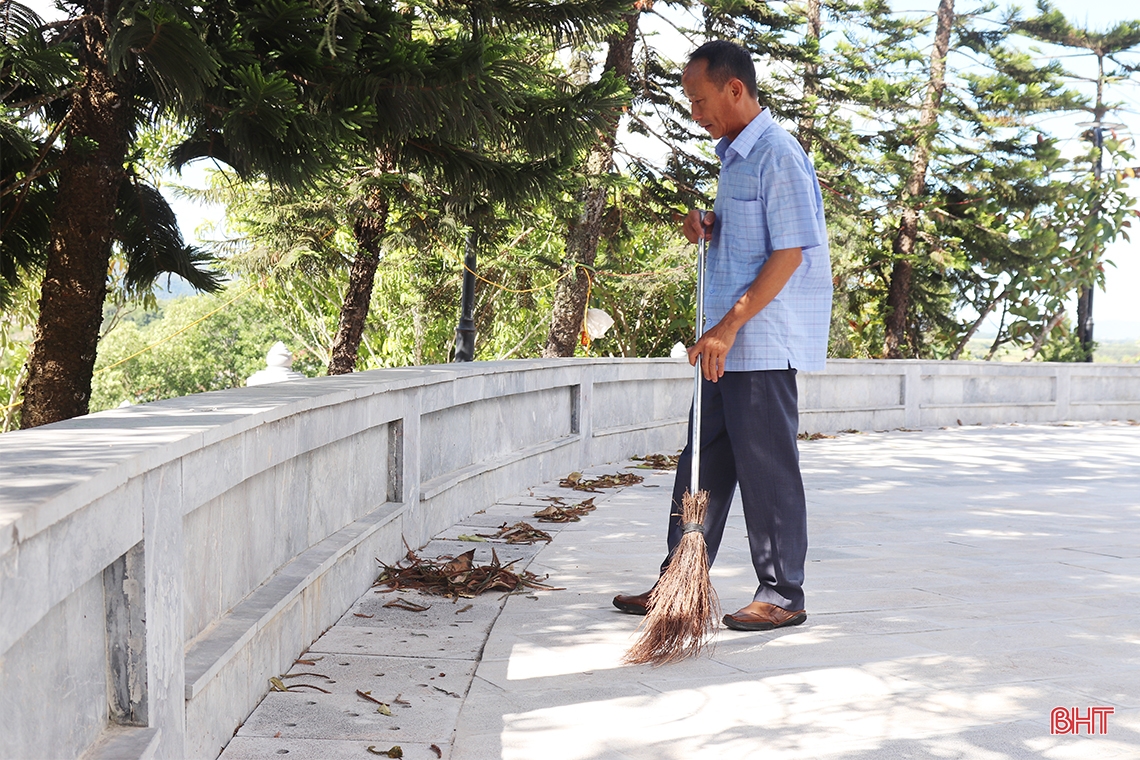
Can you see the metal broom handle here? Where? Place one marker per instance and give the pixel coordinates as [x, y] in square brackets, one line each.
[695, 441]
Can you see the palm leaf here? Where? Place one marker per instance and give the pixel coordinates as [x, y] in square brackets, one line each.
[17, 20]
[171, 53]
[147, 230]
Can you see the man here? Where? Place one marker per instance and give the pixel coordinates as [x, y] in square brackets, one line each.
[768, 304]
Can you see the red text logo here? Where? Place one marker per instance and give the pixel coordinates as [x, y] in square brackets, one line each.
[1069, 720]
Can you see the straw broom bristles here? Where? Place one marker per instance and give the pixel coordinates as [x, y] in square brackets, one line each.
[683, 609]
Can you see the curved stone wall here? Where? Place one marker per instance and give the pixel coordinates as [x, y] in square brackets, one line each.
[884, 395]
[159, 563]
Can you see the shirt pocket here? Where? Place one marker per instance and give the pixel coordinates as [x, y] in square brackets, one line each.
[745, 232]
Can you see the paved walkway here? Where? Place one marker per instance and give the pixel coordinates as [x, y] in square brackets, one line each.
[961, 584]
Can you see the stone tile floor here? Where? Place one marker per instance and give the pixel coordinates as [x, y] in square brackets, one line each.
[961, 584]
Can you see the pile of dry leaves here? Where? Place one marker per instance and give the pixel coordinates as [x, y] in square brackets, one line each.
[519, 533]
[456, 576]
[558, 512]
[658, 461]
[574, 480]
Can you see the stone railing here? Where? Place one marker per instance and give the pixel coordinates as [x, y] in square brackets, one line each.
[159, 563]
[885, 395]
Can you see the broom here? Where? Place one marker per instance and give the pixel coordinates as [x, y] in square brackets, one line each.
[682, 610]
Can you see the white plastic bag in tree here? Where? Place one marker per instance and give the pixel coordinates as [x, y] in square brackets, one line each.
[679, 351]
[597, 323]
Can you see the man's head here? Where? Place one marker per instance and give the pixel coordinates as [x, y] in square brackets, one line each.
[720, 83]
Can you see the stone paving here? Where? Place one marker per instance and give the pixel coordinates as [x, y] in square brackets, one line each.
[961, 584]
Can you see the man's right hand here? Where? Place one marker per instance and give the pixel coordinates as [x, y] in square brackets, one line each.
[694, 230]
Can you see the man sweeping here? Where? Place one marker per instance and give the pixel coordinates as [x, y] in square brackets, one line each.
[767, 311]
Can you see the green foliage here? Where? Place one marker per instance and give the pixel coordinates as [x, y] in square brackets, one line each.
[152, 244]
[33, 76]
[16, 321]
[442, 119]
[159, 46]
[184, 351]
[646, 282]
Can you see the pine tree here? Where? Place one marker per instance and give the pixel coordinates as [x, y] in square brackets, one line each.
[902, 273]
[1051, 26]
[246, 69]
[496, 125]
[471, 123]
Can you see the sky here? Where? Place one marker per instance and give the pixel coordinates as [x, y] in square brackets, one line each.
[1116, 310]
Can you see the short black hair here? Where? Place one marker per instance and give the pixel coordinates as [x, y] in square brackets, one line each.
[726, 60]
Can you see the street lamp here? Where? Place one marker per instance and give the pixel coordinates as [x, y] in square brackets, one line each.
[465, 332]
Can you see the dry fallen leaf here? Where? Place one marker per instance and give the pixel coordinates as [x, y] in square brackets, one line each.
[456, 576]
[575, 513]
[383, 709]
[602, 481]
[519, 533]
[657, 461]
[309, 686]
[277, 684]
[404, 604]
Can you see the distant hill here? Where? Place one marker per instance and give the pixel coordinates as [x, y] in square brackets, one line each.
[172, 286]
[1107, 351]
[1118, 352]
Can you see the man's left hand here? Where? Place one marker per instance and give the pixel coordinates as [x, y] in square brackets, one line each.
[713, 350]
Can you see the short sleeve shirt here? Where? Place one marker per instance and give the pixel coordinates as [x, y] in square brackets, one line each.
[767, 199]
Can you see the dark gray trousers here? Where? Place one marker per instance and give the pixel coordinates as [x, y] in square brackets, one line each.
[748, 437]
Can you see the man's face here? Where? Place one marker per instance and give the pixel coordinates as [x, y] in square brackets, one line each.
[713, 107]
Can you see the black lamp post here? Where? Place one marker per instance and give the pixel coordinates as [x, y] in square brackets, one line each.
[465, 332]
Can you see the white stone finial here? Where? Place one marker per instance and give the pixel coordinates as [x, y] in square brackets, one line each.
[278, 367]
[279, 356]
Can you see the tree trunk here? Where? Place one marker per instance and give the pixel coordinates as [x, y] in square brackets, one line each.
[583, 233]
[902, 275]
[368, 229]
[62, 358]
[1085, 320]
[811, 78]
[1085, 292]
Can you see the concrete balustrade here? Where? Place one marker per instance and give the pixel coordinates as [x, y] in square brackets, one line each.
[159, 563]
[884, 395]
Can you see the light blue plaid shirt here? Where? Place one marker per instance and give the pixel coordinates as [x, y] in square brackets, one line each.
[768, 199]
